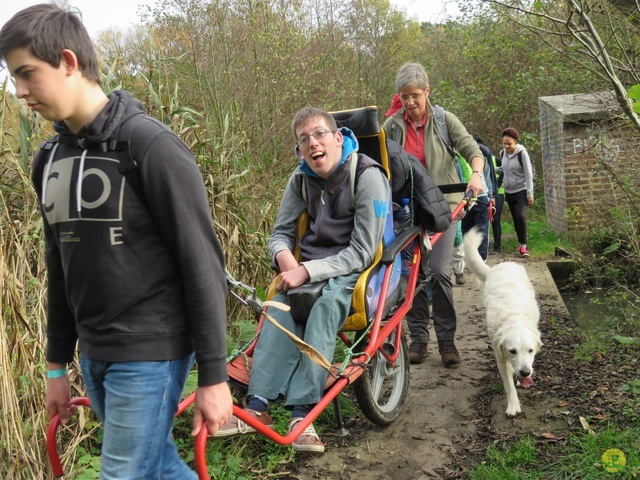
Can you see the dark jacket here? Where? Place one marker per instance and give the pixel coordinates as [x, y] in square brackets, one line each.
[431, 209]
[489, 159]
[134, 276]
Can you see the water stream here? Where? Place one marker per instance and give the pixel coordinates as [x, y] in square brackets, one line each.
[591, 308]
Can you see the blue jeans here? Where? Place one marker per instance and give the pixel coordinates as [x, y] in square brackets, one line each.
[279, 370]
[136, 402]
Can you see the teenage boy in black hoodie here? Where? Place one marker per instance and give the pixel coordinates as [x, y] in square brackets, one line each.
[135, 271]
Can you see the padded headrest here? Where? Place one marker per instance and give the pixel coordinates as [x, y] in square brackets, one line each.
[363, 122]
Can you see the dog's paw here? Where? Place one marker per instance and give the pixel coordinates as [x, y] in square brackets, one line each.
[513, 410]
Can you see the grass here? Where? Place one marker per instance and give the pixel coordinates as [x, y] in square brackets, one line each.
[584, 457]
[541, 241]
[595, 344]
[507, 461]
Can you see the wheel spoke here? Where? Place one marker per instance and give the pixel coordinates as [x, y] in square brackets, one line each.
[391, 371]
[382, 389]
[377, 376]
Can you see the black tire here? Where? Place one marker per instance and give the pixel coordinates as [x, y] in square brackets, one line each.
[381, 392]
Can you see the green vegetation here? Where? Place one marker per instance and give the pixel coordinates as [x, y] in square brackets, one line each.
[595, 343]
[232, 101]
[536, 458]
[541, 240]
[508, 461]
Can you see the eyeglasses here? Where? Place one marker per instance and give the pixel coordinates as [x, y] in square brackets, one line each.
[414, 97]
[318, 134]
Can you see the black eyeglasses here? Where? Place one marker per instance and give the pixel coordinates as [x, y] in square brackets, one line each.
[318, 134]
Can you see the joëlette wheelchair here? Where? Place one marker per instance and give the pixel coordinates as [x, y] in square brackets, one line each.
[376, 357]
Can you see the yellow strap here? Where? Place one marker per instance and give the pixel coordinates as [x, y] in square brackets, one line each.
[315, 356]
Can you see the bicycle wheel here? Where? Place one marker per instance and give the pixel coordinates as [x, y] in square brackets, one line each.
[381, 390]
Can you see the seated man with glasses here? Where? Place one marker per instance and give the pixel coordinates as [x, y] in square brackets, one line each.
[339, 243]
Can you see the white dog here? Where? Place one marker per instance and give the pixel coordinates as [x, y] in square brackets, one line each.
[512, 317]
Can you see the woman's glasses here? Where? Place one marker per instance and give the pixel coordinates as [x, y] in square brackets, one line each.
[414, 97]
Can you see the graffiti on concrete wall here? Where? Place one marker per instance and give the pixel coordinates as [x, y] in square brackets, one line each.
[599, 144]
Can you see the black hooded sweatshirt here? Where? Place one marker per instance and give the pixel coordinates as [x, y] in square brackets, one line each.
[134, 273]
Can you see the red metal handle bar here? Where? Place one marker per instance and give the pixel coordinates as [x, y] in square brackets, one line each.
[52, 450]
[455, 215]
[54, 424]
[186, 403]
[199, 446]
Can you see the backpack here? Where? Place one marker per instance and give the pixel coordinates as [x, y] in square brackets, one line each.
[443, 133]
[490, 159]
[409, 179]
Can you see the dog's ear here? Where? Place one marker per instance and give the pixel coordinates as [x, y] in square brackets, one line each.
[498, 344]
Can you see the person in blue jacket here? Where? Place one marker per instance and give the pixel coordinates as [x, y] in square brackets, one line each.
[479, 214]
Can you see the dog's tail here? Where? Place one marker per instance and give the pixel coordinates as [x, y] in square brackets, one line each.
[472, 241]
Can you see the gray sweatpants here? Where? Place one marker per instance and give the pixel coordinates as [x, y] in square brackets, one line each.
[444, 315]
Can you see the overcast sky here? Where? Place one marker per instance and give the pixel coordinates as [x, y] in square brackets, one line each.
[98, 15]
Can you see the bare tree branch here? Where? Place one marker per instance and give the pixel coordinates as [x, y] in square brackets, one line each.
[579, 26]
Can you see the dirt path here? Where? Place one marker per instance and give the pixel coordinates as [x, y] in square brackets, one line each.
[447, 413]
